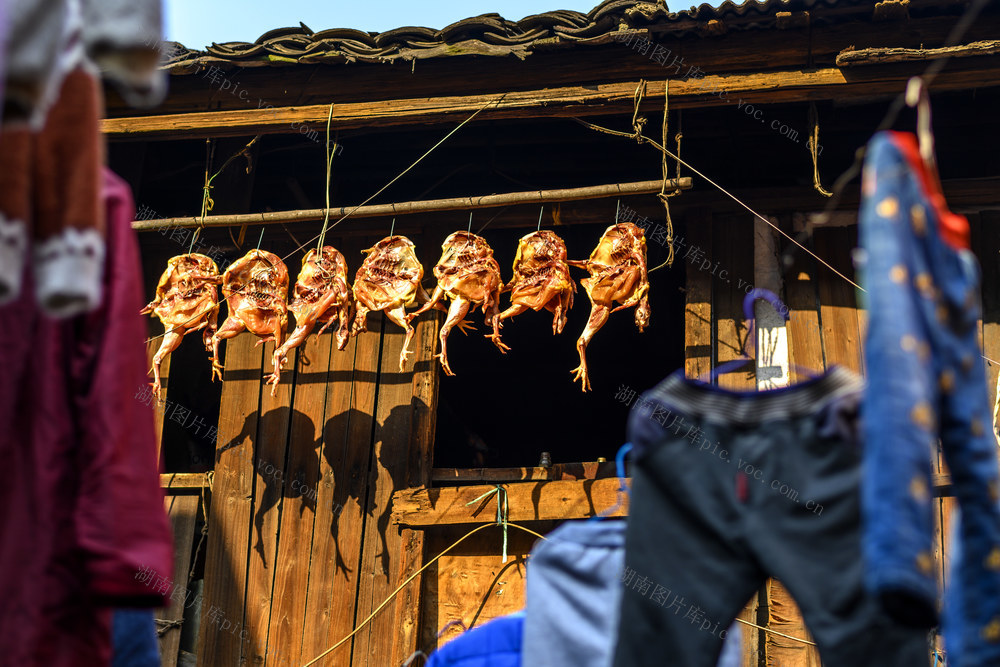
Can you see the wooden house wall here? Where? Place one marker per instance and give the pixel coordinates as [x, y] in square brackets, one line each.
[287, 574]
[299, 550]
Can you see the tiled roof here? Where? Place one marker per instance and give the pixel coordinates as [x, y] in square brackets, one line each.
[485, 35]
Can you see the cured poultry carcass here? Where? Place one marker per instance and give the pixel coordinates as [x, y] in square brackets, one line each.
[470, 276]
[541, 278]
[321, 295]
[389, 280]
[617, 273]
[186, 300]
[256, 289]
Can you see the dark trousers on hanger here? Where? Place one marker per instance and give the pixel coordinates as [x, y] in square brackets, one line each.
[732, 488]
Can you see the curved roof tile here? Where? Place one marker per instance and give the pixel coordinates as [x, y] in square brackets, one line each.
[485, 35]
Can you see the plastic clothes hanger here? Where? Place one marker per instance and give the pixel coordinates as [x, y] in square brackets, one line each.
[750, 344]
[622, 488]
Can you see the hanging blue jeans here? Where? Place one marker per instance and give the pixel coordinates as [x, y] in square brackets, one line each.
[926, 382]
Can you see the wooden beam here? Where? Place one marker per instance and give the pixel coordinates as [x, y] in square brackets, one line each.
[602, 99]
[424, 206]
[526, 501]
[183, 481]
[195, 481]
[883, 55]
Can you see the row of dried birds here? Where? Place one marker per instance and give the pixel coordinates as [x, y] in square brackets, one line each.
[389, 280]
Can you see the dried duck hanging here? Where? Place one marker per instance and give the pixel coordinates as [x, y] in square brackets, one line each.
[470, 276]
[256, 289]
[541, 278]
[321, 296]
[389, 280]
[617, 273]
[186, 301]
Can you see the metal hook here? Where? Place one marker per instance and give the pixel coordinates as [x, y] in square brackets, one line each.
[617, 209]
[540, 218]
[393, 228]
[260, 239]
[468, 233]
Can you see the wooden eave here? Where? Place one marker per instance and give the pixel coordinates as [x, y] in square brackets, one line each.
[771, 87]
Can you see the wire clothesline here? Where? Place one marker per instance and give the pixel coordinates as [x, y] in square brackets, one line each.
[504, 524]
[411, 578]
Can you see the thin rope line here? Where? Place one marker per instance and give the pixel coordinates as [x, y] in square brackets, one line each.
[402, 173]
[411, 578]
[663, 196]
[329, 165]
[721, 189]
[775, 632]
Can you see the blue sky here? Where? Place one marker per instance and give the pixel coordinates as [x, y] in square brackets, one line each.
[198, 23]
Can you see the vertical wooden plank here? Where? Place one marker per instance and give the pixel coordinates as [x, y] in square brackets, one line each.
[183, 513]
[733, 242]
[805, 350]
[474, 585]
[230, 517]
[805, 342]
[940, 544]
[771, 362]
[298, 503]
[732, 239]
[989, 257]
[977, 246]
[862, 313]
[698, 298]
[271, 478]
[838, 307]
[421, 451]
[783, 614]
[339, 524]
[381, 565]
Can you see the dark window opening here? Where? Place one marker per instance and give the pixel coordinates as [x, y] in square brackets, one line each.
[505, 410]
[191, 415]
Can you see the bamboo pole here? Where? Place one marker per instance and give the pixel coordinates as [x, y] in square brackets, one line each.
[424, 206]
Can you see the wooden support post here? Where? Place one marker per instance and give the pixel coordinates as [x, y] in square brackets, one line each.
[698, 296]
[779, 608]
[230, 518]
[183, 513]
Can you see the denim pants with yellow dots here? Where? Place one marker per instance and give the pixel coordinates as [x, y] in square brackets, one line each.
[926, 384]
